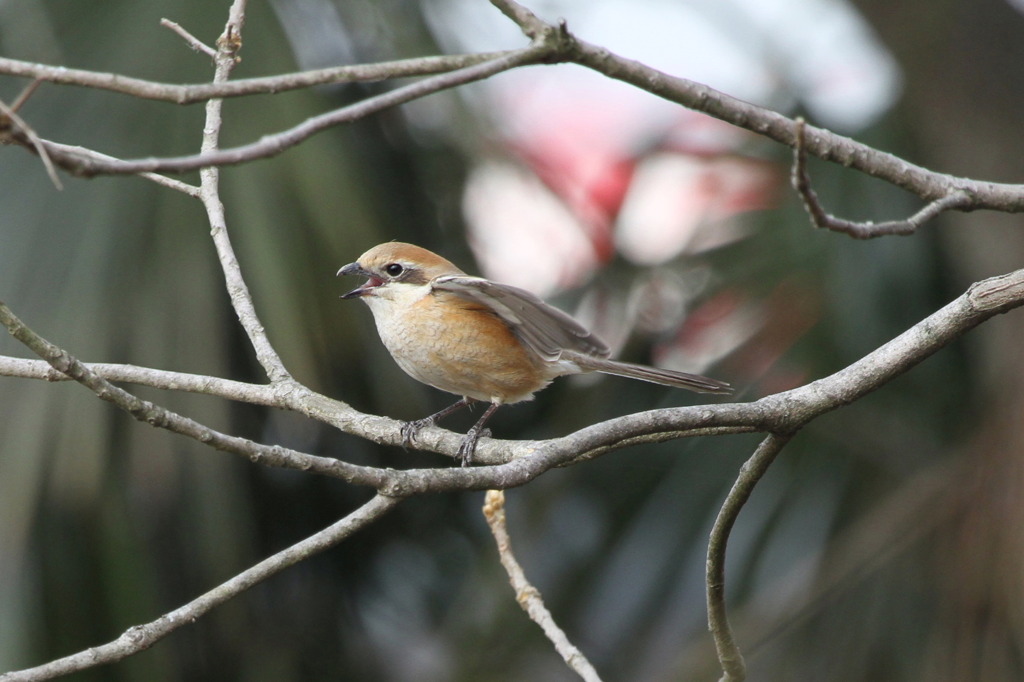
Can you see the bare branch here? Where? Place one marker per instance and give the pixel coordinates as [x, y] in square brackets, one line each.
[37, 145]
[254, 394]
[271, 145]
[154, 415]
[266, 85]
[190, 40]
[77, 152]
[140, 637]
[824, 144]
[527, 596]
[929, 185]
[801, 180]
[228, 45]
[291, 396]
[733, 668]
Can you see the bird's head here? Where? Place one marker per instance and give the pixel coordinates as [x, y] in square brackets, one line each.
[396, 266]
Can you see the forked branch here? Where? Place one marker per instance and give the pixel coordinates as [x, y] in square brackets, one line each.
[801, 179]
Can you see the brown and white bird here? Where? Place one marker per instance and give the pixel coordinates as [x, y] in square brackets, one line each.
[481, 340]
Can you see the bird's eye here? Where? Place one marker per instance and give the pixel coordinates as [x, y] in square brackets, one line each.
[394, 269]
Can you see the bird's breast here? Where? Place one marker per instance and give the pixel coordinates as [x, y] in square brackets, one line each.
[461, 347]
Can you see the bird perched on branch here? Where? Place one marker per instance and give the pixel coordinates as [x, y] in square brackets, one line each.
[481, 340]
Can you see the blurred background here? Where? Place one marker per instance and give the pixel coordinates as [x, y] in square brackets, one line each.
[886, 543]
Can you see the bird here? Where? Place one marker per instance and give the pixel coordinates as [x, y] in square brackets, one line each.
[481, 340]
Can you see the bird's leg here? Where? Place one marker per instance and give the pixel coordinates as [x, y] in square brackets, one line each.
[410, 429]
[468, 447]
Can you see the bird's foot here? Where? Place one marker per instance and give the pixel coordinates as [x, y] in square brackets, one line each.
[468, 448]
[411, 429]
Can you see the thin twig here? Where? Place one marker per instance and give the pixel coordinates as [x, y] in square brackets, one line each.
[34, 140]
[72, 151]
[140, 637]
[530, 24]
[919, 507]
[527, 596]
[253, 394]
[228, 46]
[801, 180]
[264, 85]
[729, 656]
[190, 40]
[27, 92]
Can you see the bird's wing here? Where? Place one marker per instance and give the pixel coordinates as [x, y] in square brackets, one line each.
[543, 328]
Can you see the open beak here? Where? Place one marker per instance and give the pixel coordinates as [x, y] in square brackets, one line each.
[356, 269]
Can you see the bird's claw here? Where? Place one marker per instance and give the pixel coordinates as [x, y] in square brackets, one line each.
[411, 429]
[468, 448]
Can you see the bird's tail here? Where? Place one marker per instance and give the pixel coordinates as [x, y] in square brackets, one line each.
[665, 377]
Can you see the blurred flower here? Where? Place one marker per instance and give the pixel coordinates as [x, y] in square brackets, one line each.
[674, 195]
[595, 168]
[634, 172]
[523, 234]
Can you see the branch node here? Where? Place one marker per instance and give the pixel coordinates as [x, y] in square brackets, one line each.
[230, 43]
[13, 128]
[555, 38]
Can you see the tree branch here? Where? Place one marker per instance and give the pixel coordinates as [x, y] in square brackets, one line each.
[532, 26]
[784, 412]
[253, 394]
[552, 43]
[228, 45]
[729, 656]
[155, 415]
[77, 152]
[527, 596]
[266, 85]
[140, 637]
[190, 40]
[801, 181]
[272, 145]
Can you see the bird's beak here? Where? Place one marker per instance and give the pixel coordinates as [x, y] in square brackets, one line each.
[357, 269]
